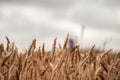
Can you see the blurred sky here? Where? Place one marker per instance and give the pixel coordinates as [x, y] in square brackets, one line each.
[24, 20]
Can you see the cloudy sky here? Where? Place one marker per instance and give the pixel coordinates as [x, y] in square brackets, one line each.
[23, 20]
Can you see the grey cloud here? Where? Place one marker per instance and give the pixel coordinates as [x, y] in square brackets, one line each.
[46, 30]
[18, 23]
[96, 17]
[64, 3]
[46, 3]
[93, 15]
[112, 3]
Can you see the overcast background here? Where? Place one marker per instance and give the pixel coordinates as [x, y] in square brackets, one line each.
[24, 20]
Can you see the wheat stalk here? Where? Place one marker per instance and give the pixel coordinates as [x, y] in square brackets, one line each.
[58, 63]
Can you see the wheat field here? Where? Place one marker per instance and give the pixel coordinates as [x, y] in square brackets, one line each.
[57, 64]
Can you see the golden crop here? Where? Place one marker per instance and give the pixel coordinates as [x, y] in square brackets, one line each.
[57, 64]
